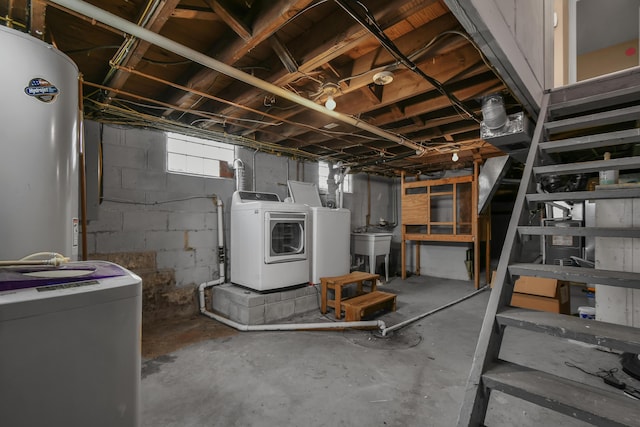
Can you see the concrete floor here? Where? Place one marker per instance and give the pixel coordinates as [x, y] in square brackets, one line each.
[415, 377]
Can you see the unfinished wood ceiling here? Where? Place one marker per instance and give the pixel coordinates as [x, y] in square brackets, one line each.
[307, 50]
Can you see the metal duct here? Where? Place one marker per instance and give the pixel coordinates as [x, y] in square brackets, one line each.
[489, 179]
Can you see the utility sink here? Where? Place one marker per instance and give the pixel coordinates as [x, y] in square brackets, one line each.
[372, 245]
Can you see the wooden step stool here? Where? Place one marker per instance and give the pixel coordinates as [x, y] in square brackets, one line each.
[358, 307]
[336, 284]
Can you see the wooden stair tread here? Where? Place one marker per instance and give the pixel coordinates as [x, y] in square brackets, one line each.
[623, 279]
[619, 337]
[357, 307]
[578, 400]
[353, 277]
[368, 298]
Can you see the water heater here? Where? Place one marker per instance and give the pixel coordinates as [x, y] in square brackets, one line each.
[38, 148]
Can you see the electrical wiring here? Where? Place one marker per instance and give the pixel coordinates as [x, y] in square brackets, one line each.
[126, 117]
[370, 23]
[212, 97]
[157, 202]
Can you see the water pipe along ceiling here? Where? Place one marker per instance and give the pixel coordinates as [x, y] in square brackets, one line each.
[406, 79]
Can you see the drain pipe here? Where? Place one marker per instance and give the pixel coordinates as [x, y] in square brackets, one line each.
[221, 256]
[195, 56]
[370, 324]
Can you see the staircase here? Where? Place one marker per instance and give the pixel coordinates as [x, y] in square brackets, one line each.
[596, 116]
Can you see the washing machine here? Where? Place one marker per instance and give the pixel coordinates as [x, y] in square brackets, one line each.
[70, 345]
[329, 236]
[268, 242]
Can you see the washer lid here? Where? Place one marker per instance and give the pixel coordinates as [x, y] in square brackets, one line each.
[305, 193]
[14, 278]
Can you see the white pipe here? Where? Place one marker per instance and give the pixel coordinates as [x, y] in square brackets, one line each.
[221, 253]
[429, 313]
[295, 326]
[282, 326]
[195, 56]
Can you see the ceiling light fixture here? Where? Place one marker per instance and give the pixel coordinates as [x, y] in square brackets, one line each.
[331, 103]
[455, 157]
[383, 78]
[330, 89]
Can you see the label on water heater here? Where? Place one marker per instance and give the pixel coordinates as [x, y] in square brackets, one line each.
[42, 90]
[74, 237]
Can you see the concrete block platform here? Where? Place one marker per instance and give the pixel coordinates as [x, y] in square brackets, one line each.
[248, 307]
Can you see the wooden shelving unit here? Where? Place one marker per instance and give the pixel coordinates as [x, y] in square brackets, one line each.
[444, 210]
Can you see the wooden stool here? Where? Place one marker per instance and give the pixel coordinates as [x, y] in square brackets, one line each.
[337, 283]
[358, 307]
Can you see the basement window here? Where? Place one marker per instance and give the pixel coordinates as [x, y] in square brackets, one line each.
[196, 156]
[323, 175]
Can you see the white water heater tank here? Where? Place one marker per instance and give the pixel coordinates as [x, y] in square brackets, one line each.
[39, 119]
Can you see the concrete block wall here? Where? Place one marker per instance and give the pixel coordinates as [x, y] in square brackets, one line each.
[147, 210]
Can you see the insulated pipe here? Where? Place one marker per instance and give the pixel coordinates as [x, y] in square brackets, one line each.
[195, 56]
[238, 166]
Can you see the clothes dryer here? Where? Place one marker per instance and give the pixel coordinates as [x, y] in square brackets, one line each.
[268, 242]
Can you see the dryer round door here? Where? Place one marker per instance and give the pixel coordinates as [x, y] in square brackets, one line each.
[285, 237]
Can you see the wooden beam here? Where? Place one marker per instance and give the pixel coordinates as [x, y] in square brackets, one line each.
[283, 53]
[264, 26]
[194, 13]
[230, 19]
[135, 54]
[37, 21]
[319, 52]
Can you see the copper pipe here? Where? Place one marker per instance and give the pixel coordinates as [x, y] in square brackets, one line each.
[83, 174]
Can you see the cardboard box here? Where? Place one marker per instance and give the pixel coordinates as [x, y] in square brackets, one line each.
[542, 294]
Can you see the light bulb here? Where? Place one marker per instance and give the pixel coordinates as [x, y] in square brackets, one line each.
[455, 157]
[331, 103]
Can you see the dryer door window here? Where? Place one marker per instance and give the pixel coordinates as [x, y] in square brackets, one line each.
[286, 238]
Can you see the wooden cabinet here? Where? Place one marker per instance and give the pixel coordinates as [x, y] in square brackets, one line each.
[442, 210]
